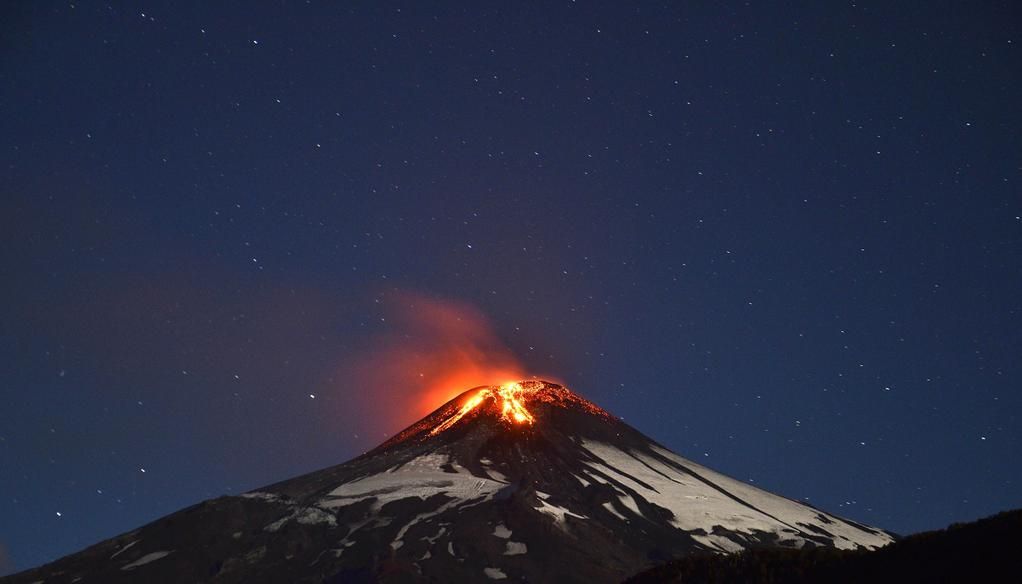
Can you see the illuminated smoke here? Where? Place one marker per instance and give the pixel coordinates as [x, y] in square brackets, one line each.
[435, 350]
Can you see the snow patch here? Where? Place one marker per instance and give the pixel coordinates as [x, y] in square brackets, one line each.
[433, 539]
[516, 548]
[276, 525]
[674, 483]
[421, 516]
[261, 495]
[496, 475]
[501, 531]
[554, 511]
[146, 559]
[314, 515]
[610, 507]
[494, 573]
[122, 550]
[305, 516]
[847, 536]
[718, 543]
[420, 478]
[630, 503]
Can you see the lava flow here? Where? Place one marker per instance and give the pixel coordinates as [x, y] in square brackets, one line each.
[509, 400]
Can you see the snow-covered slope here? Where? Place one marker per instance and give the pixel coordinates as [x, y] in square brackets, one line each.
[701, 499]
[475, 491]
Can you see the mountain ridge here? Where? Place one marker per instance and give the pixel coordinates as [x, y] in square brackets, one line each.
[525, 480]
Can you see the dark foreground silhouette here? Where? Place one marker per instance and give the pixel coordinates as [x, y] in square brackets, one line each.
[987, 550]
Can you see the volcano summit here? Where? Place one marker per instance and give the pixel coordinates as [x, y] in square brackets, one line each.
[524, 481]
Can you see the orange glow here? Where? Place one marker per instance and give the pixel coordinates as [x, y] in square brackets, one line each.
[429, 353]
[517, 403]
[468, 406]
[511, 398]
[454, 375]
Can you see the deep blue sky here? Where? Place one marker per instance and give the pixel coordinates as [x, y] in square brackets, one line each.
[783, 240]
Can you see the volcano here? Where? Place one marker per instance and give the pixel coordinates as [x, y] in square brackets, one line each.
[525, 481]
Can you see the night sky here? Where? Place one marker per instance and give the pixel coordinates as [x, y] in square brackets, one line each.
[244, 241]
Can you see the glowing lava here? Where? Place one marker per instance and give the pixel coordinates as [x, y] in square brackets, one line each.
[521, 403]
[509, 399]
[470, 405]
